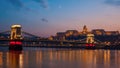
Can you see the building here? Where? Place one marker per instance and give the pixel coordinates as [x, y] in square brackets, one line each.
[98, 31]
[71, 32]
[103, 32]
[99, 34]
[67, 34]
[111, 32]
[51, 38]
[60, 36]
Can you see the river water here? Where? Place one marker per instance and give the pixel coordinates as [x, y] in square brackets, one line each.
[59, 58]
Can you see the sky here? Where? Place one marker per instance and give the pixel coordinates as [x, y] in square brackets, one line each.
[47, 17]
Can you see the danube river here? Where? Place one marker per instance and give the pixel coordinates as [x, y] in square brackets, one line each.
[59, 58]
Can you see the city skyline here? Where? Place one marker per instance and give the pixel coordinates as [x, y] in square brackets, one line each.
[46, 17]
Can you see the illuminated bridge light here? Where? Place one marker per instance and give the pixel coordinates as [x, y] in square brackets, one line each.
[12, 43]
[90, 45]
[15, 43]
[87, 45]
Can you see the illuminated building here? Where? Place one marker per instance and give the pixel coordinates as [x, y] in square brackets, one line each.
[111, 32]
[98, 32]
[103, 32]
[60, 36]
[68, 33]
[51, 38]
[71, 32]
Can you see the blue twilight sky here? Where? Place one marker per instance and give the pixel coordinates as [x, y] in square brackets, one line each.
[46, 17]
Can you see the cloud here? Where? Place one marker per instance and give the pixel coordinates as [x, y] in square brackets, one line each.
[20, 4]
[43, 3]
[113, 2]
[16, 3]
[44, 20]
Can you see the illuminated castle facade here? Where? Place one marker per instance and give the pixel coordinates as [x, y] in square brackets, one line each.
[76, 35]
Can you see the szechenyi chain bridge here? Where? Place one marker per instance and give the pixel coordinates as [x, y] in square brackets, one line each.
[18, 38]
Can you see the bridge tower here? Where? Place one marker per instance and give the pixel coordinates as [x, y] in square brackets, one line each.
[16, 32]
[15, 38]
[90, 40]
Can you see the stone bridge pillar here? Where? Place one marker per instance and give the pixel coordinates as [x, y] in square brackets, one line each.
[90, 38]
[16, 38]
[16, 33]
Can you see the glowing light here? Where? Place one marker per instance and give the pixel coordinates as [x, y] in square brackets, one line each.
[18, 42]
[91, 45]
[12, 43]
[15, 43]
[86, 45]
[13, 26]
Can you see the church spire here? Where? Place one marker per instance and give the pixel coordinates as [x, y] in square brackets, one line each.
[85, 30]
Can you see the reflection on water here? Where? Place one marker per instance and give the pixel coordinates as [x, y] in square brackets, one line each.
[59, 58]
[14, 59]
